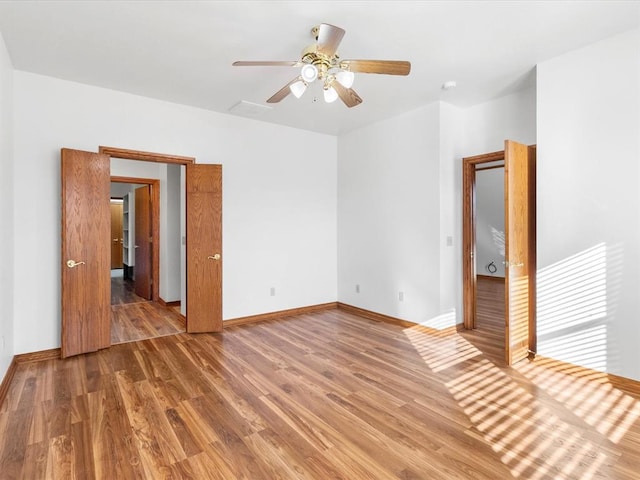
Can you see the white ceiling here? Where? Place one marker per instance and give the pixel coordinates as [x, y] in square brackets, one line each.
[182, 51]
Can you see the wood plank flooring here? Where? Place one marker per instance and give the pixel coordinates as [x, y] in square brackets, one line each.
[489, 334]
[143, 320]
[327, 395]
[135, 318]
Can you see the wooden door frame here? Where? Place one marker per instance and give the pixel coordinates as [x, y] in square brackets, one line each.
[128, 154]
[155, 228]
[469, 285]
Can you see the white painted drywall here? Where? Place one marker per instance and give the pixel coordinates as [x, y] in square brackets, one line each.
[389, 216]
[6, 211]
[173, 210]
[451, 134]
[490, 235]
[279, 195]
[400, 208]
[589, 206]
[488, 125]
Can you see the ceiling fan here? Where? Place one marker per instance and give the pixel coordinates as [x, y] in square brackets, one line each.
[320, 61]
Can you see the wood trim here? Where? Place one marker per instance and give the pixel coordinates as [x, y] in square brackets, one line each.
[127, 154]
[51, 354]
[469, 168]
[8, 377]
[379, 317]
[136, 180]
[175, 303]
[485, 158]
[492, 278]
[533, 251]
[375, 315]
[155, 228]
[493, 167]
[279, 314]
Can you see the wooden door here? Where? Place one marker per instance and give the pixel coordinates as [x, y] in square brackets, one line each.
[143, 243]
[116, 234]
[520, 250]
[204, 247]
[85, 265]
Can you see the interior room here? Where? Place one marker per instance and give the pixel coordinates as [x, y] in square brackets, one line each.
[340, 320]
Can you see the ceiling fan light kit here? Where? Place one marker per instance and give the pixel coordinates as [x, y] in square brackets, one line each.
[320, 61]
[298, 88]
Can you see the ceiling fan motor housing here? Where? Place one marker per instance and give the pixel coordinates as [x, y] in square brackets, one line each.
[322, 62]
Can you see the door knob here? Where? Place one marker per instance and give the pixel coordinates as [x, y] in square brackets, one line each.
[513, 264]
[214, 257]
[115, 240]
[73, 263]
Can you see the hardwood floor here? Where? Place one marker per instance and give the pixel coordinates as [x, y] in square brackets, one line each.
[123, 291]
[143, 320]
[327, 395]
[135, 318]
[489, 334]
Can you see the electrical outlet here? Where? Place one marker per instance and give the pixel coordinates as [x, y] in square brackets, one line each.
[401, 296]
[357, 288]
[273, 291]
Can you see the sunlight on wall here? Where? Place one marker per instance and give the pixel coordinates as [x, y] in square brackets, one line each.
[572, 309]
[442, 321]
[531, 440]
[498, 240]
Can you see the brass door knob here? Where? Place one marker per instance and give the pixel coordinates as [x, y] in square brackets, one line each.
[73, 263]
[214, 257]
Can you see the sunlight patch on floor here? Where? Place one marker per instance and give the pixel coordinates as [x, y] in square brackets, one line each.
[590, 397]
[531, 440]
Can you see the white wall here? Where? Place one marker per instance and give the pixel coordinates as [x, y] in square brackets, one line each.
[279, 207]
[6, 210]
[172, 252]
[389, 216]
[488, 125]
[450, 137]
[490, 246]
[589, 206]
[400, 208]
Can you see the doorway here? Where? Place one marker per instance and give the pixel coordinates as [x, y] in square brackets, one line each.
[86, 318]
[137, 310]
[519, 246]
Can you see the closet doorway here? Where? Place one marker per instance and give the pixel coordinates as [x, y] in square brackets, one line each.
[519, 246]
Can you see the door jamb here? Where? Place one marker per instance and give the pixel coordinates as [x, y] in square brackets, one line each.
[469, 285]
[127, 154]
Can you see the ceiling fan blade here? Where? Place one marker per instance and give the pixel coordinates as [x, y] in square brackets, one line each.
[267, 64]
[387, 67]
[283, 92]
[328, 38]
[347, 95]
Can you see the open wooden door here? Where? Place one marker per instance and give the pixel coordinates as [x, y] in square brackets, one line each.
[204, 247]
[85, 266]
[520, 250]
[142, 269]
